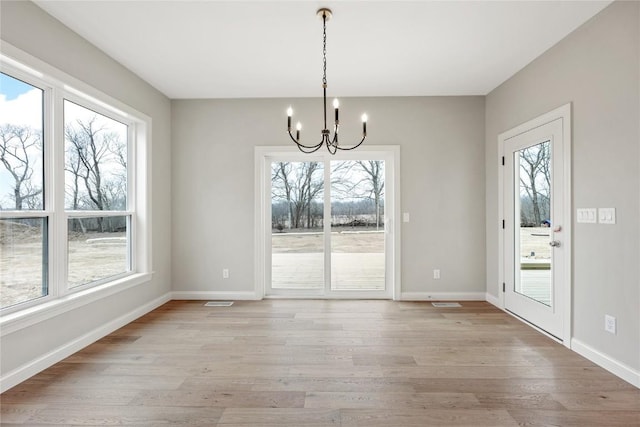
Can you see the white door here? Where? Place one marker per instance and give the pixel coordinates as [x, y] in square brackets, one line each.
[536, 224]
[329, 225]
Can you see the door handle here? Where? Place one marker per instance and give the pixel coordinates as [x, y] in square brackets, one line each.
[554, 243]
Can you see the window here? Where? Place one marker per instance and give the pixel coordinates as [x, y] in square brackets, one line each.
[73, 188]
[23, 229]
[96, 182]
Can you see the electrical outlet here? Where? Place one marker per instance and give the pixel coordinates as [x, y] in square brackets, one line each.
[610, 324]
[436, 274]
[225, 273]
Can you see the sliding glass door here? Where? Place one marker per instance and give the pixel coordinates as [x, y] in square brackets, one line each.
[329, 226]
[357, 225]
[297, 217]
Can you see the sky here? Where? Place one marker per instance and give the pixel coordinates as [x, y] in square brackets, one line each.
[20, 103]
[11, 88]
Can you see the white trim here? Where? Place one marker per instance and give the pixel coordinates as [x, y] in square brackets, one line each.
[30, 369]
[262, 174]
[616, 367]
[18, 320]
[493, 300]
[396, 225]
[354, 295]
[563, 112]
[215, 295]
[259, 223]
[442, 296]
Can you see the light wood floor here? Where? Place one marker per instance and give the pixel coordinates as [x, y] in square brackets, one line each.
[324, 363]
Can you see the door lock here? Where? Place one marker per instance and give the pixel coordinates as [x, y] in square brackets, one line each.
[554, 243]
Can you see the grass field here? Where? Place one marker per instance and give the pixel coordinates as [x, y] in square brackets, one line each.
[358, 258]
[92, 256]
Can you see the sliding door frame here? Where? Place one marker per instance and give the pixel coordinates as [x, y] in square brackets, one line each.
[262, 228]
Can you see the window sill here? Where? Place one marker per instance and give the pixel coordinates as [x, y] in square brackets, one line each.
[21, 319]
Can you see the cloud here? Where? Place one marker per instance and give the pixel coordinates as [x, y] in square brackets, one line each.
[26, 109]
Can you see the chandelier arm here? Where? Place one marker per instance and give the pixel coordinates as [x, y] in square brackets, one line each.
[309, 151]
[354, 147]
[331, 147]
[308, 147]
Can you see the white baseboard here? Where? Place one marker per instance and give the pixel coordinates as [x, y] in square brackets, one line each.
[30, 369]
[213, 295]
[493, 300]
[442, 296]
[617, 368]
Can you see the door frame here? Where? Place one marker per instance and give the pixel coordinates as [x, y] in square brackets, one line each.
[262, 225]
[563, 112]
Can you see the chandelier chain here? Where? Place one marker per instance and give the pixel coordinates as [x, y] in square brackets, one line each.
[324, 50]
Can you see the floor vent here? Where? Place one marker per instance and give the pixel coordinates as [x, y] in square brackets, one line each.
[219, 304]
[445, 304]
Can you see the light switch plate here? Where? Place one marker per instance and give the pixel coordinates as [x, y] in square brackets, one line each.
[610, 324]
[587, 216]
[405, 217]
[607, 215]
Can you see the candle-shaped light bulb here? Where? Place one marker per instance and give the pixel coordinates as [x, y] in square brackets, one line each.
[289, 114]
[289, 111]
[364, 124]
[298, 126]
[336, 104]
[298, 129]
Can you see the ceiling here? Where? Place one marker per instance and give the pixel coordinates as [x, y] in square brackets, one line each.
[241, 49]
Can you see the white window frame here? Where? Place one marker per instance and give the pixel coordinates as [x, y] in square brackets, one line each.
[59, 86]
[131, 192]
[263, 156]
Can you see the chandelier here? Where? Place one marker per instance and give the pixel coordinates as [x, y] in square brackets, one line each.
[331, 143]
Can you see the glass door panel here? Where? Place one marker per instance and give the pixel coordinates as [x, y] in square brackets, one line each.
[297, 237]
[532, 233]
[357, 225]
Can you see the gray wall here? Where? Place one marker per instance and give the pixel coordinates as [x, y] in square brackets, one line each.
[27, 27]
[442, 182]
[597, 69]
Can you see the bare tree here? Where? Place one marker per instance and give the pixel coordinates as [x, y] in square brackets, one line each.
[96, 161]
[17, 143]
[281, 186]
[374, 176]
[298, 184]
[535, 179]
[361, 179]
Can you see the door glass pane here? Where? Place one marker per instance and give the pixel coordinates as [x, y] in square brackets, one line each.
[21, 152]
[357, 225]
[23, 260]
[297, 238]
[533, 231]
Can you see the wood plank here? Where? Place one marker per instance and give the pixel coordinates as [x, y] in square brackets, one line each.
[426, 417]
[318, 363]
